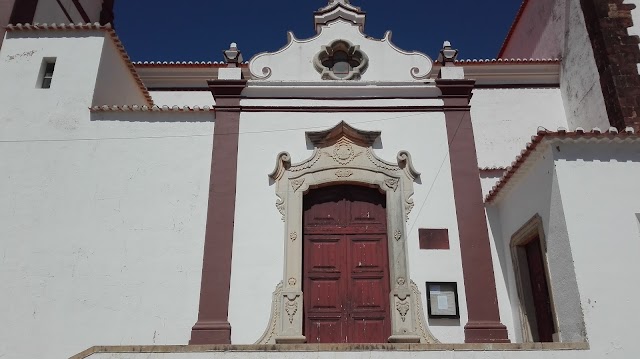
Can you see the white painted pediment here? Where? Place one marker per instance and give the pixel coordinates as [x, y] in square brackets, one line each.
[386, 62]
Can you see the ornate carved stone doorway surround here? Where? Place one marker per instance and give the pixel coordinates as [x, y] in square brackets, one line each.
[344, 154]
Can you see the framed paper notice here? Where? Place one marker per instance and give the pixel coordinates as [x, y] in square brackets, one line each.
[442, 300]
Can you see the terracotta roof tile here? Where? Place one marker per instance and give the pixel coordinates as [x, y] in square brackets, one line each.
[612, 134]
[504, 61]
[214, 64]
[144, 108]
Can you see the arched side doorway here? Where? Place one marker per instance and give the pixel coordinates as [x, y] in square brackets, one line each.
[345, 265]
[344, 155]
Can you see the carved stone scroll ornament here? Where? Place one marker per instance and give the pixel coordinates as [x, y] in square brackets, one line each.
[269, 335]
[280, 207]
[422, 329]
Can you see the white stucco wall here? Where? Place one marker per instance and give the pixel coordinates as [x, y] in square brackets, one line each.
[115, 84]
[102, 218]
[259, 232]
[183, 98]
[601, 222]
[551, 29]
[587, 198]
[580, 80]
[508, 217]
[488, 180]
[505, 119]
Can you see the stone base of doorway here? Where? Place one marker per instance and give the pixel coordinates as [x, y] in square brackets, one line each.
[182, 351]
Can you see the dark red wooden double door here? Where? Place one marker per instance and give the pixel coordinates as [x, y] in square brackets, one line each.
[346, 272]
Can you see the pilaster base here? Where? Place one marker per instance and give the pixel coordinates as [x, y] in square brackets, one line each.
[210, 333]
[297, 339]
[404, 339]
[486, 332]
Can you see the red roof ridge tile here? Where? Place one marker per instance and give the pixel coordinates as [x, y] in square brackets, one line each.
[506, 61]
[213, 64]
[153, 108]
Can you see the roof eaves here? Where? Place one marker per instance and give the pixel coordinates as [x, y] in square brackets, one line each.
[537, 140]
[145, 108]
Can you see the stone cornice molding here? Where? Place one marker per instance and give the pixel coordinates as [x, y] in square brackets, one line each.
[342, 129]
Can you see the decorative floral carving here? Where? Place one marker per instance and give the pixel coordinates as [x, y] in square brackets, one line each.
[401, 281]
[343, 152]
[402, 306]
[379, 163]
[292, 281]
[291, 307]
[397, 235]
[297, 183]
[280, 207]
[344, 173]
[293, 236]
[408, 206]
[307, 164]
[392, 183]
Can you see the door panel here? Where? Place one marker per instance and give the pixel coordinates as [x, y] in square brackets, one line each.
[367, 330]
[346, 279]
[366, 254]
[540, 291]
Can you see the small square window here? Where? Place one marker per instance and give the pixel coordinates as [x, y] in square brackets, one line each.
[46, 73]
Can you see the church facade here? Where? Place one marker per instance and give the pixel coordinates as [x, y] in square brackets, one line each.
[338, 197]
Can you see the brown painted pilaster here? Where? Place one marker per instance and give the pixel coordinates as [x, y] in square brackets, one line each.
[213, 325]
[484, 324]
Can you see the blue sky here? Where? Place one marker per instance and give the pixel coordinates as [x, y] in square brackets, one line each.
[198, 30]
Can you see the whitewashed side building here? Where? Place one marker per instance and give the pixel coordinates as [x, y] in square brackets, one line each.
[340, 197]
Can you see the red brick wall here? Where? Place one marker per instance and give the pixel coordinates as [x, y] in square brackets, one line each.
[617, 55]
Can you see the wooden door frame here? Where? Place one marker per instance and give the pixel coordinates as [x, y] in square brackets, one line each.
[344, 155]
[528, 232]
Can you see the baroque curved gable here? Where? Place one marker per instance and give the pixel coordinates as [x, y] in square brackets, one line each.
[295, 61]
